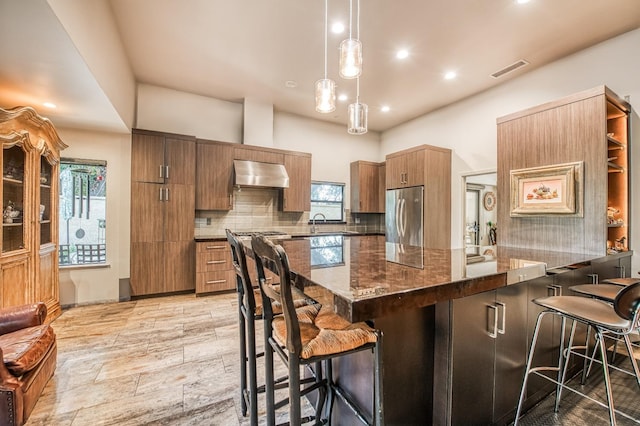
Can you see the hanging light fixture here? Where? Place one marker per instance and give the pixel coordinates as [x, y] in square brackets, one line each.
[351, 50]
[325, 87]
[358, 112]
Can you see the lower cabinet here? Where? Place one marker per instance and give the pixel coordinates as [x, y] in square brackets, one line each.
[214, 269]
[488, 355]
[490, 334]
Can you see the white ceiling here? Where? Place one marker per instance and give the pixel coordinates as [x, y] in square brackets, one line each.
[231, 50]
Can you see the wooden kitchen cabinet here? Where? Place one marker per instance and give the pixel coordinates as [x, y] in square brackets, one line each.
[257, 153]
[214, 268]
[367, 196]
[30, 179]
[429, 166]
[591, 127]
[162, 213]
[214, 175]
[297, 198]
[406, 168]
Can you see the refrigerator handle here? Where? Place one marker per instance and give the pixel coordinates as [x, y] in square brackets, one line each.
[397, 219]
[403, 217]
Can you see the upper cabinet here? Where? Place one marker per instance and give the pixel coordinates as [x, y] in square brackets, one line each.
[162, 158]
[592, 127]
[405, 168]
[367, 187]
[257, 153]
[297, 197]
[30, 173]
[214, 175]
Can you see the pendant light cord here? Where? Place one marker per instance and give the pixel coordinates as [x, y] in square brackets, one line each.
[358, 36]
[326, 18]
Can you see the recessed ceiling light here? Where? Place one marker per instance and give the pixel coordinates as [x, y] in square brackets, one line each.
[342, 97]
[450, 75]
[291, 84]
[385, 108]
[522, 1]
[402, 54]
[50, 105]
[337, 28]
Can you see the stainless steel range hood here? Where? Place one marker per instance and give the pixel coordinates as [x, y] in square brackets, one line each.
[254, 173]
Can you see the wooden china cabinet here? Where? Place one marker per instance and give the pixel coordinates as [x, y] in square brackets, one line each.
[30, 169]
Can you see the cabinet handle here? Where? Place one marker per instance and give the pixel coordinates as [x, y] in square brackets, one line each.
[215, 262]
[166, 192]
[161, 171]
[230, 200]
[621, 271]
[503, 326]
[556, 290]
[493, 333]
[216, 281]
[161, 194]
[594, 278]
[215, 247]
[166, 175]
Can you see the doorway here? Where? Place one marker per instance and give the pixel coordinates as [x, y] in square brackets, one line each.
[480, 224]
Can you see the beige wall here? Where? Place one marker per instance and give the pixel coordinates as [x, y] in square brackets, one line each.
[469, 127]
[98, 284]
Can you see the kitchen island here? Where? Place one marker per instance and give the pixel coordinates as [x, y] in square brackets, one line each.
[444, 325]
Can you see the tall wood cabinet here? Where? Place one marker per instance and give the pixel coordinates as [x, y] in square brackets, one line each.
[367, 187]
[162, 213]
[429, 166]
[592, 127]
[30, 170]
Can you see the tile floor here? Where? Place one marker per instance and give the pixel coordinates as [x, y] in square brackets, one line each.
[174, 361]
[166, 361]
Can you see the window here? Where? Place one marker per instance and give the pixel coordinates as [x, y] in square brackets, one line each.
[327, 199]
[83, 199]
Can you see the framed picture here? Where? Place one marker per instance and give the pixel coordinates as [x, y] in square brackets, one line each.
[548, 190]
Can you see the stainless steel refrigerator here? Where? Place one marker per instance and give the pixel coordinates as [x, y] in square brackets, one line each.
[404, 217]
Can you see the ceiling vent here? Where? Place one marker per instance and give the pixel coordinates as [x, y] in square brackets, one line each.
[506, 70]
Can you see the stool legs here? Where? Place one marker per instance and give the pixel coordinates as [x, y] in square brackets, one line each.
[253, 377]
[607, 382]
[243, 356]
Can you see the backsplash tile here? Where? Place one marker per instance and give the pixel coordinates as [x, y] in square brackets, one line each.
[256, 209]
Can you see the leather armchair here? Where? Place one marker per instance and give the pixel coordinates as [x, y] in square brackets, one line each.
[29, 352]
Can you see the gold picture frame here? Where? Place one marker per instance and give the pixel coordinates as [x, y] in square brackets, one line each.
[554, 190]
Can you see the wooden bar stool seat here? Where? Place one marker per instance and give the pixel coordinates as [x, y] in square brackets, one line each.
[312, 335]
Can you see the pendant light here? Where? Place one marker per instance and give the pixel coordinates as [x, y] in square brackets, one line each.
[351, 50]
[325, 87]
[358, 113]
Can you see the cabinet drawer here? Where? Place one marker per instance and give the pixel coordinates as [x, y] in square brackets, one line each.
[220, 261]
[212, 247]
[207, 282]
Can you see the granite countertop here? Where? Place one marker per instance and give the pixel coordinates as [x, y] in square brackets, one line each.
[360, 284]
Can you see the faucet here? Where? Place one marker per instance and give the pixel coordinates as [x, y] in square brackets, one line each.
[313, 221]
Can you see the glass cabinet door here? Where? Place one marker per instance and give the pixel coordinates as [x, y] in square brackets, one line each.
[44, 211]
[13, 198]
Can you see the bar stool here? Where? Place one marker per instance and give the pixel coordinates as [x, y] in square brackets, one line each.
[249, 311]
[619, 319]
[309, 336]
